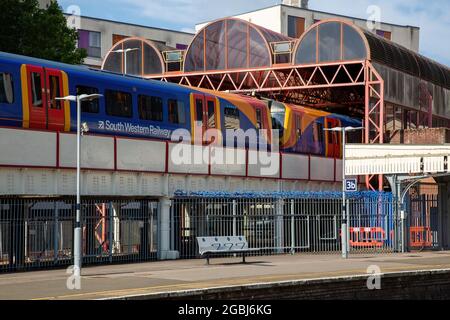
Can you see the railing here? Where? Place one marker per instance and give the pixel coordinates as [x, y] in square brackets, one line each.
[37, 233]
[280, 226]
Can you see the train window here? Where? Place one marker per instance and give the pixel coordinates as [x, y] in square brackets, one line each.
[231, 115]
[88, 106]
[118, 104]
[299, 125]
[176, 112]
[199, 110]
[150, 108]
[211, 114]
[6, 88]
[36, 89]
[318, 132]
[55, 92]
[258, 119]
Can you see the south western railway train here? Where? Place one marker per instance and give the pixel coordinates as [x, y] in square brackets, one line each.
[136, 107]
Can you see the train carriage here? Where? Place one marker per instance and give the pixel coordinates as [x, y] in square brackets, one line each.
[145, 108]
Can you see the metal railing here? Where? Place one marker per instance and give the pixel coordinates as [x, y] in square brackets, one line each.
[279, 226]
[38, 233]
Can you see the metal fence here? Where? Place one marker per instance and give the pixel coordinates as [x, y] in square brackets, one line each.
[279, 226]
[38, 233]
[423, 225]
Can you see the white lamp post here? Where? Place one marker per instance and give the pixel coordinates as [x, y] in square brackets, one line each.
[125, 51]
[344, 238]
[77, 230]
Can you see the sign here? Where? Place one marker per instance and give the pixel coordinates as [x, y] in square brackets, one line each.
[351, 185]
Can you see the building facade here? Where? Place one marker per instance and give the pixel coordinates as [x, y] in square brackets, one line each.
[293, 17]
[98, 36]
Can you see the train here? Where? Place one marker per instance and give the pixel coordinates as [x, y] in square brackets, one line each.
[136, 107]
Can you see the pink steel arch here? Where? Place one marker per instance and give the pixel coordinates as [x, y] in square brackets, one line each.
[143, 43]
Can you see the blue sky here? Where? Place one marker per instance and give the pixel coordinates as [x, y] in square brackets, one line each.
[432, 16]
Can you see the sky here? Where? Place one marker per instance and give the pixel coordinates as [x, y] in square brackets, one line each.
[432, 16]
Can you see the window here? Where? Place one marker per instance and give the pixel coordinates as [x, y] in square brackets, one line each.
[91, 41]
[211, 114]
[318, 132]
[199, 110]
[385, 34]
[117, 37]
[296, 26]
[150, 108]
[6, 88]
[55, 92]
[299, 125]
[118, 104]
[258, 119]
[330, 42]
[231, 115]
[88, 106]
[176, 112]
[36, 89]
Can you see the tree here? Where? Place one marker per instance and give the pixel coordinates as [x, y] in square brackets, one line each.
[42, 33]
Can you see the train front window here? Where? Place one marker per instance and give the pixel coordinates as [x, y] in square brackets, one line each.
[150, 108]
[258, 119]
[6, 88]
[278, 113]
[36, 89]
[231, 118]
[176, 112]
[118, 104]
[86, 105]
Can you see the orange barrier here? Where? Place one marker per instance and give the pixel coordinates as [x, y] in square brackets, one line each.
[420, 237]
[367, 237]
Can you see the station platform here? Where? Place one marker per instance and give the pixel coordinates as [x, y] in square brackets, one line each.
[158, 279]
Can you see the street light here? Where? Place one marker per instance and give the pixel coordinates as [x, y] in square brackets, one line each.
[77, 230]
[125, 56]
[344, 231]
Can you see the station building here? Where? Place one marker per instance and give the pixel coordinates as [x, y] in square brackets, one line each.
[292, 18]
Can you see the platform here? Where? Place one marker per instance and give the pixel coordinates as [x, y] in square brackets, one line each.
[130, 281]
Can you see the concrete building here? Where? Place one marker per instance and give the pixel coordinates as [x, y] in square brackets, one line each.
[293, 17]
[98, 36]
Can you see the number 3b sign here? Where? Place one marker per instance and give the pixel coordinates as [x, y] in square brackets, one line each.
[351, 185]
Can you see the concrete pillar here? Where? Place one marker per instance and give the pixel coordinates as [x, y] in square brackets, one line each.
[164, 250]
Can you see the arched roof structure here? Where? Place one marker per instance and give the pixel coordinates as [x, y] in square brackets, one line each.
[337, 40]
[145, 60]
[231, 43]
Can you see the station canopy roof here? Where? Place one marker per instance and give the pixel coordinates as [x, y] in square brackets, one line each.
[231, 43]
[145, 59]
[337, 40]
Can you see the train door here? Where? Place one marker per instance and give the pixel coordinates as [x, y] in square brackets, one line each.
[44, 85]
[205, 115]
[55, 108]
[333, 139]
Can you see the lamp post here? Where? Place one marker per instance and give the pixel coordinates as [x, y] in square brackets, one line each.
[77, 229]
[344, 231]
[125, 51]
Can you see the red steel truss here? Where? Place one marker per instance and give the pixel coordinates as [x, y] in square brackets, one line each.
[355, 85]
